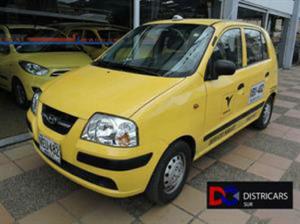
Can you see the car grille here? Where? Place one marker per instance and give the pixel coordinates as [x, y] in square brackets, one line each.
[57, 121]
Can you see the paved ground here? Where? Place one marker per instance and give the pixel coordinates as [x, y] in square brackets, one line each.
[31, 192]
[11, 116]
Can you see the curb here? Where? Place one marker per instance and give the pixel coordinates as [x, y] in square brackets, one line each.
[14, 140]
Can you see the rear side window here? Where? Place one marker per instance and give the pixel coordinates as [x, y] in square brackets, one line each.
[256, 46]
[229, 47]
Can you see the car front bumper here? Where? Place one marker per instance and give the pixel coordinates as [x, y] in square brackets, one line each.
[111, 171]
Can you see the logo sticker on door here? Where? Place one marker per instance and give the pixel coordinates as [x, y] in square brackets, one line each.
[256, 92]
[227, 104]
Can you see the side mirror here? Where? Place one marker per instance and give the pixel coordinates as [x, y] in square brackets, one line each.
[224, 67]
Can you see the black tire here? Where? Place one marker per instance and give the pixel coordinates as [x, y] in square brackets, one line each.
[19, 94]
[263, 121]
[156, 190]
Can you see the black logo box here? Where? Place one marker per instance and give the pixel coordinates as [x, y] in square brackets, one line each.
[266, 187]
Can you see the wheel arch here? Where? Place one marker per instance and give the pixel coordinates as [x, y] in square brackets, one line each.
[190, 141]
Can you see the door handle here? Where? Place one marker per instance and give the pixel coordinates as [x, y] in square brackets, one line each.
[267, 74]
[241, 86]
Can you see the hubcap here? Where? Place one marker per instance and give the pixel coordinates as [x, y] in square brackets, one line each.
[267, 113]
[174, 173]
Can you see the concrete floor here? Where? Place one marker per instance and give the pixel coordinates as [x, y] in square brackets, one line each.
[31, 192]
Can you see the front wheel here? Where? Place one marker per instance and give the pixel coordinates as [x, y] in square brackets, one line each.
[264, 119]
[19, 94]
[170, 174]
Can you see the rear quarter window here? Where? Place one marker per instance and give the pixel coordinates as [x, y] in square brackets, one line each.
[256, 44]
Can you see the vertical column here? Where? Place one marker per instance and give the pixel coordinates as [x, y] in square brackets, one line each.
[230, 9]
[289, 37]
[136, 13]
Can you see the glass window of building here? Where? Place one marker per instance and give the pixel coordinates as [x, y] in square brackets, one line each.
[250, 16]
[166, 9]
[105, 11]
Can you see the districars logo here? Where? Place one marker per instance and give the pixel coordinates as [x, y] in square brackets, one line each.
[249, 195]
[227, 196]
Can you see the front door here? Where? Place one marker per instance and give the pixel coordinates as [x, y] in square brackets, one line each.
[223, 94]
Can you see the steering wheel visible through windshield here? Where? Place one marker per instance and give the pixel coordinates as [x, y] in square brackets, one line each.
[172, 50]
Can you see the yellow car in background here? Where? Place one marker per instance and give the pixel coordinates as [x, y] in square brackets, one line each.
[24, 68]
[95, 33]
[161, 97]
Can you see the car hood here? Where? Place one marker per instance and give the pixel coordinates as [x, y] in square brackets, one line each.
[91, 89]
[58, 59]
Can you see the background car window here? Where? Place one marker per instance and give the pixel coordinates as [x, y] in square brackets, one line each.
[31, 35]
[77, 34]
[229, 47]
[111, 35]
[3, 48]
[256, 46]
[90, 35]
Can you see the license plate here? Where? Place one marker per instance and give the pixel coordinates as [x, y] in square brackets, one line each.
[50, 148]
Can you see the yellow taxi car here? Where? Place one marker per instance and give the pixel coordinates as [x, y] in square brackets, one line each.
[24, 67]
[133, 123]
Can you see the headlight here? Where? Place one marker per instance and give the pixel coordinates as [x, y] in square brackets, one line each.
[111, 130]
[35, 101]
[33, 69]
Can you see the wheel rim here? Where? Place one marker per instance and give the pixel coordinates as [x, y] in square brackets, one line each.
[20, 94]
[174, 173]
[267, 113]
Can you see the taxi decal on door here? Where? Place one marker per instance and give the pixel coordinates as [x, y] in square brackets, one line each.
[256, 92]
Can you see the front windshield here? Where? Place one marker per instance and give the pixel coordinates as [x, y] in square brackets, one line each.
[172, 50]
[31, 35]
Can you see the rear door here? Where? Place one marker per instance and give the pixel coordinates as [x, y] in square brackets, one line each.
[257, 71]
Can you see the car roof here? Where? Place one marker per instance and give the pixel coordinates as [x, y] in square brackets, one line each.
[207, 22]
[27, 26]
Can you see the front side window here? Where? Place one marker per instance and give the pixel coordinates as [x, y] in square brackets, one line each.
[229, 47]
[256, 46]
[171, 50]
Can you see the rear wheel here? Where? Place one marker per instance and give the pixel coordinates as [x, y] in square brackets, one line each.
[170, 174]
[19, 94]
[264, 119]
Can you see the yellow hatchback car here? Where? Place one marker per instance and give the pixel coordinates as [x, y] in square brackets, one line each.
[160, 98]
[24, 67]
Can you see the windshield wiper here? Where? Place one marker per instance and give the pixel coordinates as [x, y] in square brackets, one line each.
[140, 70]
[124, 67]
